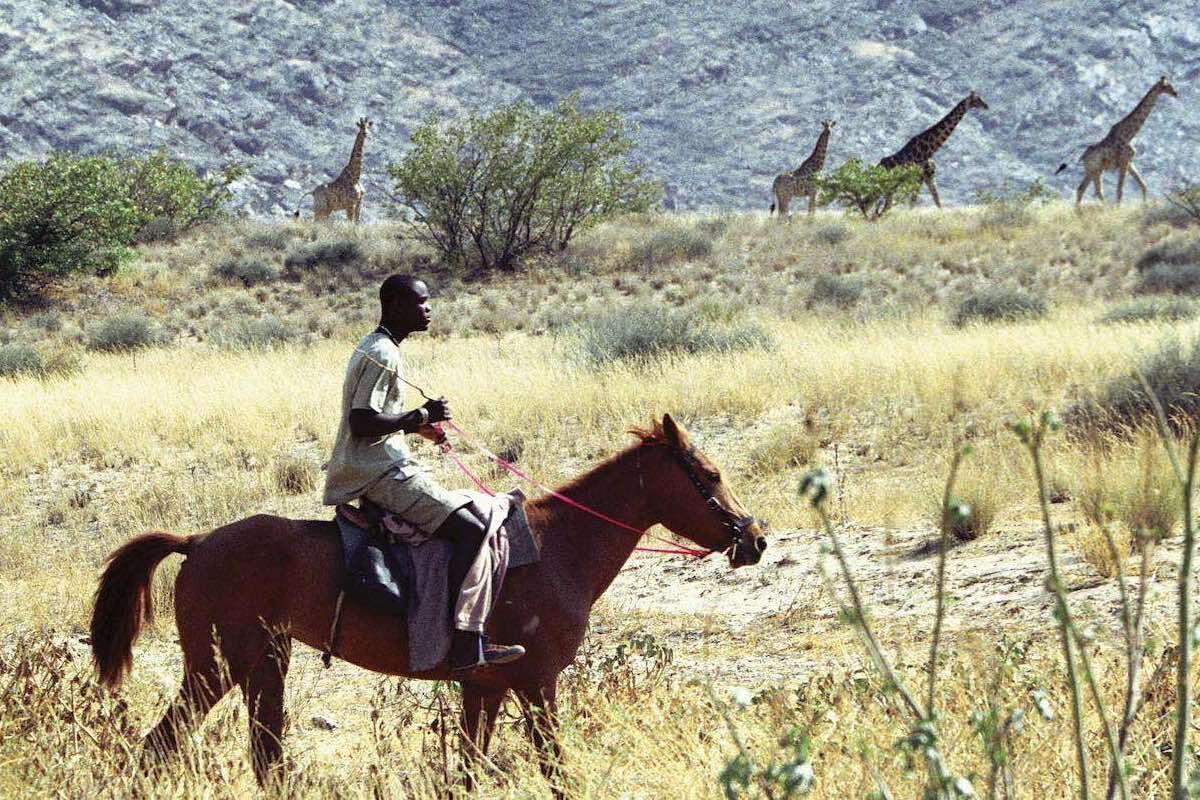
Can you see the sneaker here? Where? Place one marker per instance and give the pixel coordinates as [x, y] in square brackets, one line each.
[490, 655]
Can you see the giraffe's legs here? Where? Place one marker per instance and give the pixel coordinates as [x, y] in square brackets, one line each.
[1083, 185]
[812, 202]
[933, 191]
[784, 201]
[1097, 180]
[930, 170]
[1120, 183]
[1137, 178]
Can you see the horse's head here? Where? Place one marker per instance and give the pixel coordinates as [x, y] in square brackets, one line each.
[694, 501]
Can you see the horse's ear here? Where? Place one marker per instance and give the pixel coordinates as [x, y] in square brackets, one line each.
[677, 437]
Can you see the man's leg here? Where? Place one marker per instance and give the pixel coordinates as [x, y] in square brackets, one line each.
[466, 532]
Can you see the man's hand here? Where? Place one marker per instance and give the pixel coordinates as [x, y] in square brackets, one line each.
[439, 410]
[432, 433]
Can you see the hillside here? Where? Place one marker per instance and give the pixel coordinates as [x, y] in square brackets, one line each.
[725, 95]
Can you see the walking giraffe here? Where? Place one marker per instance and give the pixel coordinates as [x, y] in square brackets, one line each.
[799, 182]
[1116, 150]
[920, 149]
[344, 193]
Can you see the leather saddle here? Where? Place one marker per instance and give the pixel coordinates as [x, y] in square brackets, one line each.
[377, 574]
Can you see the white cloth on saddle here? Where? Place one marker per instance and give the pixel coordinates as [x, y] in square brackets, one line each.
[430, 622]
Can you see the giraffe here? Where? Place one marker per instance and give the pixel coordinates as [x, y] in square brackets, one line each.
[1116, 150]
[799, 182]
[344, 193]
[920, 149]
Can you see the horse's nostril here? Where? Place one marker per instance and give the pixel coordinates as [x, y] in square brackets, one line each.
[761, 543]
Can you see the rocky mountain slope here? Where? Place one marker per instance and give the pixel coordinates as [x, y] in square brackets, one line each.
[725, 95]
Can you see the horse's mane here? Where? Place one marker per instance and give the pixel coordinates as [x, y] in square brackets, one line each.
[651, 435]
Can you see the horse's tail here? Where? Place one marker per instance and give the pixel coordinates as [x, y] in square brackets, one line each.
[771, 210]
[123, 601]
[1061, 168]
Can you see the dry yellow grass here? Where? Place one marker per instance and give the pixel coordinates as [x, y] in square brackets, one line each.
[188, 437]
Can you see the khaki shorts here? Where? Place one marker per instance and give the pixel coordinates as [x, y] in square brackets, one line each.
[416, 498]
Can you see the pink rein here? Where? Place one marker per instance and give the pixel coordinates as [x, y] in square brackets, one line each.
[448, 450]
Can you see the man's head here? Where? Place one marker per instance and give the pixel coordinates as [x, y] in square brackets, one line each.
[404, 305]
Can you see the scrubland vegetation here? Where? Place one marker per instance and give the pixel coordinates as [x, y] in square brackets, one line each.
[199, 382]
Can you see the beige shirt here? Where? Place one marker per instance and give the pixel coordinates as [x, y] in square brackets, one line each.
[372, 381]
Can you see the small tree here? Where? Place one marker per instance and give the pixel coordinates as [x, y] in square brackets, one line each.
[871, 190]
[170, 197]
[494, 187]
[81, 214]
[65, 214]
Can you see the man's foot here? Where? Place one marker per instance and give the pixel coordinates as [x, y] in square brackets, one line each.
[470, 651]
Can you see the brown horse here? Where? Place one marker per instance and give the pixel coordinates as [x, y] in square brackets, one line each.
[263, 581]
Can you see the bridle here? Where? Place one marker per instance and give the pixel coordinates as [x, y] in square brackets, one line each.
[738, 525]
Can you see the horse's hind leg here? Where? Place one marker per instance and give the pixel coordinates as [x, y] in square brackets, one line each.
[263, 690]
[204, 683]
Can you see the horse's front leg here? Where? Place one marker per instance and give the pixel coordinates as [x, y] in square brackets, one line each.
[540, 707]
[480, 708]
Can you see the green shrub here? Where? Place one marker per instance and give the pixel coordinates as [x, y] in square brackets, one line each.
[1180, 207]
[271, 237]
[80, 214]
[842, 291]
[61, 216]
[665, 245]
[171, 198]
[332, 253]
[831, 235]
[1010, 206]
[1147, 309]
[256, 334]
[123, 332]
[999, 304]
[490, 188]
[19, 359]
[1173, 373]
[1176, 251]
[249, 271]
[652, 330]
[47, 321]
[1169, 279]
[873, 191]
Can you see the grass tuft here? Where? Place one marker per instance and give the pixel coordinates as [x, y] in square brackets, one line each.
[122, 333]
[1151, 309]
[641, 331]
[246, 270]
[1169, 279]
[839, 291]
[256, 334]
[999, 304]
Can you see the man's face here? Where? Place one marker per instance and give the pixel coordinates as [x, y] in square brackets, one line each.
[412, 310]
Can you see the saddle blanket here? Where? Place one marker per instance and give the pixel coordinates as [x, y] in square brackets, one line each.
[418, 573]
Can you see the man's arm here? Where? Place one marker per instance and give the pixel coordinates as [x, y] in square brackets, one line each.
[372, 424]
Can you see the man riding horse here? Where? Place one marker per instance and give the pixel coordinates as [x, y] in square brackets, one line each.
[371, 459]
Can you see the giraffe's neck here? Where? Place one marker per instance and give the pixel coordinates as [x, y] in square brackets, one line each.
[931, 140]
[353, 170]
[1128, 127]
[816, 159]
